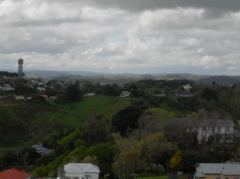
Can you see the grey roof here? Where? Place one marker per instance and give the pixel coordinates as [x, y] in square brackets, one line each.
[81, 168]
[217, 168]
[232, 169]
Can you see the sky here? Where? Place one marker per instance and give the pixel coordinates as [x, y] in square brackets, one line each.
[122, 36]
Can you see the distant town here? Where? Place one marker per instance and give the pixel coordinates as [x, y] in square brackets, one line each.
[71, 128]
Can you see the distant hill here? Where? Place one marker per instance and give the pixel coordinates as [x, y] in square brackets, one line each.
[220, 80]
[121, 79]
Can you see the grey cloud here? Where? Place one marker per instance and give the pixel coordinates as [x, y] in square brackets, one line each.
[40, 23]
[214, 7]
[123, 36]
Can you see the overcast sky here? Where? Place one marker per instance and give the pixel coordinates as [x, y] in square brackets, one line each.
[122, 36]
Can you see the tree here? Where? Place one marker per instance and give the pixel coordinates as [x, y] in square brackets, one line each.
[182, 131]
[105, 154]
[109, 90]
[73, 92]
[128, 163]
[209, 94]
[156, 150]
[127, 119]
[96, 131]
[175, 161]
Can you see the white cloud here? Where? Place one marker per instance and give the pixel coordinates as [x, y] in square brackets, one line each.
[84, 36]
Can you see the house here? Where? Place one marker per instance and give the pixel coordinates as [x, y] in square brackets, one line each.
[184, 94]
[217, 171]
[187, 87]
[79, 171]
[89, 94]
[41, 89]
[6, 87]
[43, 151]
[14, 174]
[125, 94]
[221, 130]
[19, 98]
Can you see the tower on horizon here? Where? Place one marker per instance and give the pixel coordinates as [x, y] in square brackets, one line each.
[20, 67]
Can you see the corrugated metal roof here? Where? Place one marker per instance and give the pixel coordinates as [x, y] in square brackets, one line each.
[217, 168]
[81, 168]
[211, 168]
[231, 169]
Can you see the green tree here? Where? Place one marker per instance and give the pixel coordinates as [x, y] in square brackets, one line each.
[96, 131]
[73, 92]
[127, 119]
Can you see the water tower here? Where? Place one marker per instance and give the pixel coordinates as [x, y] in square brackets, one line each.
[20, 67]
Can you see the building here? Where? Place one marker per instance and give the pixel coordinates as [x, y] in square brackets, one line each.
[6, 87]
[89, 94]
[184, 94]
[43, 151]
[20, 68]
[187, 87]
[19, 98]
[79, 171]
[220, 130]
[217, 171]
[14, 174]
[125, 94]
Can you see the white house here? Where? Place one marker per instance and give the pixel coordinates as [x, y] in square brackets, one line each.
[187, 87]
[19, 98]
[125, 94]
[89, 94]
[43, 151]
[79, 171]
[41, 89]
[217, 170]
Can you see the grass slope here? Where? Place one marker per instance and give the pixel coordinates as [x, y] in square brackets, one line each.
[73, 114]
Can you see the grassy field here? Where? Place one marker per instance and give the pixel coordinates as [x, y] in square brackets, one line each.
[74, 114]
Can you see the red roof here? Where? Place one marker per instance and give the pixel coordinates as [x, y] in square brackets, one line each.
[14, 174]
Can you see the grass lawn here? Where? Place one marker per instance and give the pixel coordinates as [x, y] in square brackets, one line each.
[74, 114]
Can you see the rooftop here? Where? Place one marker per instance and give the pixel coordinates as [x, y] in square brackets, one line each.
[217, 168]
[81, 168]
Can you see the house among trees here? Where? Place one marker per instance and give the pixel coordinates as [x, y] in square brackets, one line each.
[217, 171]
[79, 171]
[6, 87]
[43, 151]
[89, 94]
[125, 94]
[187, 87]
[219, 130]
[184, 94]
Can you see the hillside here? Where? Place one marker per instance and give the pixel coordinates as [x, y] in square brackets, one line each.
[37, 122]
[73, 114]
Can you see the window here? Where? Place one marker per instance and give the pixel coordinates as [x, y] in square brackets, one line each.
[88, 177]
